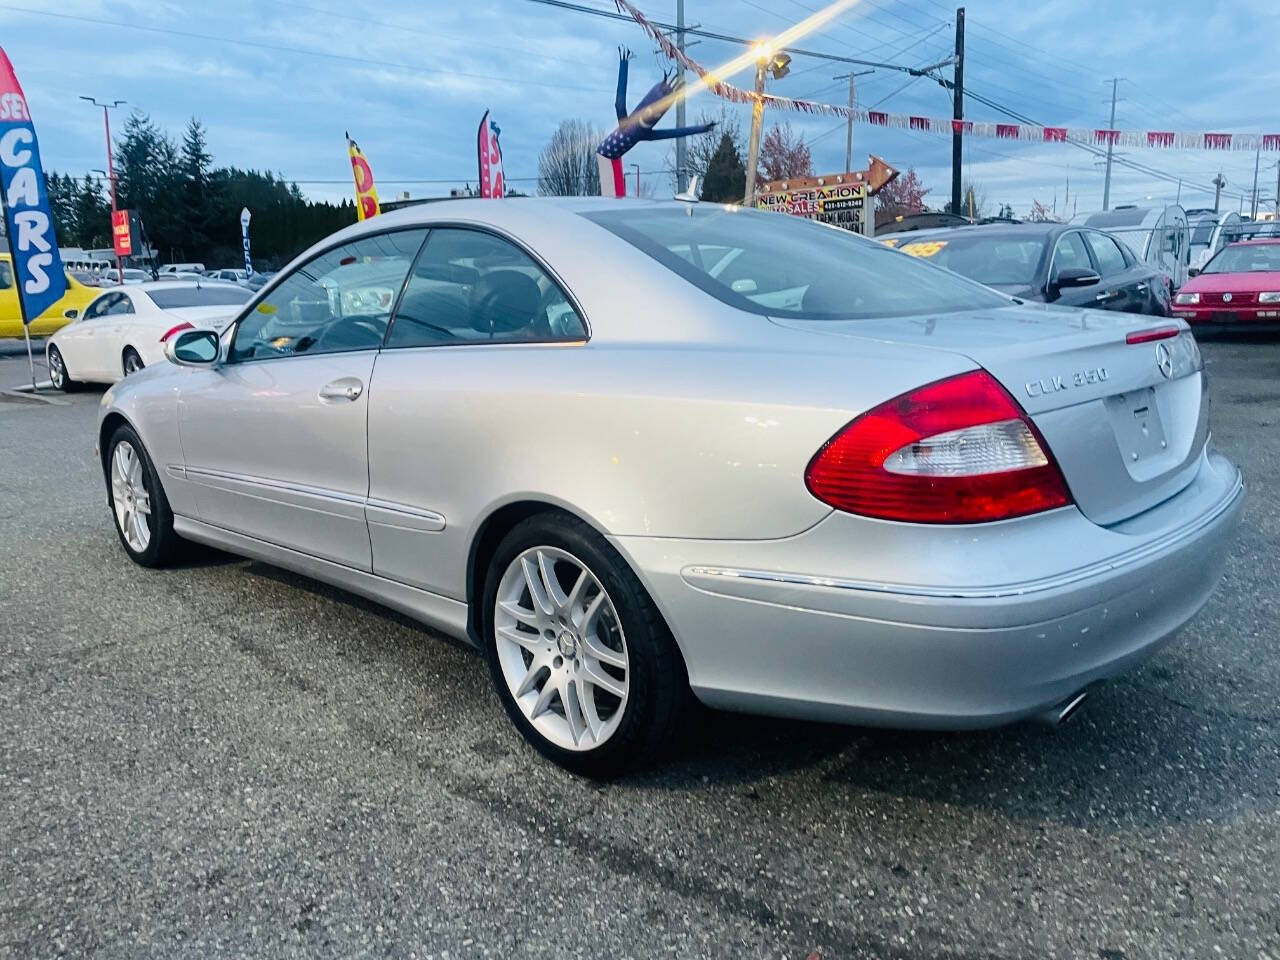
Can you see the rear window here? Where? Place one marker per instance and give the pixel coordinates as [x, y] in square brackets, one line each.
[211, 296]
[777, 265]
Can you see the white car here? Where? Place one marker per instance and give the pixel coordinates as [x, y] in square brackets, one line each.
[235, 276]
[123, 330]
[197, 268]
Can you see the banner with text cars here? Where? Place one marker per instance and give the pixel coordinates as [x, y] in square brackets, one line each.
[37, 265]
[366, 193]
[489, 153]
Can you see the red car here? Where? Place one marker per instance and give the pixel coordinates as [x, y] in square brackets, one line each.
[1239, 289]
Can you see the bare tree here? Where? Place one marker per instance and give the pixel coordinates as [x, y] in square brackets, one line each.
[784, 154]
[567, 164]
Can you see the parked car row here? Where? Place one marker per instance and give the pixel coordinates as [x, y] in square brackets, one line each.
[1046, 262]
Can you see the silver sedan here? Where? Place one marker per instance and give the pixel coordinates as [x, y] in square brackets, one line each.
[644, 454]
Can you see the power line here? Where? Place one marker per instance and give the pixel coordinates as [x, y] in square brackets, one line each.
[729, 38]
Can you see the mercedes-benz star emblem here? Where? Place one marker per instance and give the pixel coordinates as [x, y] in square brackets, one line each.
[1164, 360]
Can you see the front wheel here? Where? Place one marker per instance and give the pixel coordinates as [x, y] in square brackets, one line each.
[583, 662]
[139, 506]
[58, 375]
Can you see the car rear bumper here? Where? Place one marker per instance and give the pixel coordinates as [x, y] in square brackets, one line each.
[974, 648]
[1228, 320]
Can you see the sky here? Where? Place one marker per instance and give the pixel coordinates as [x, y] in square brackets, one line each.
[277, 83]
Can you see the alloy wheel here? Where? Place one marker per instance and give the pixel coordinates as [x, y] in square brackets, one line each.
[129, 496]
[57, 372]
[132, 362]
[561, 648]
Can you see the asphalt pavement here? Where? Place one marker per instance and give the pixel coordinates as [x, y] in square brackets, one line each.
[227, 759]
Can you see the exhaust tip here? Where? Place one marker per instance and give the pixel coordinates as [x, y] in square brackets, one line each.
[1058, 715]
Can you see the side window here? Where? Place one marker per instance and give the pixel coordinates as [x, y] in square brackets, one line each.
[341, 300]
[6, 275]
[100, 307]
[1070, 254]
[1110, 260]
[121, 306]
[473, 287]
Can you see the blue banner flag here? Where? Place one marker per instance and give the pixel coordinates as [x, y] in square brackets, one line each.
[28, 218]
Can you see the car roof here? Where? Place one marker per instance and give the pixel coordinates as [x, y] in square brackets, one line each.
[1255, 242]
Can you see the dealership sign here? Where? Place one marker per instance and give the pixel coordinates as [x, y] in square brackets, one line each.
[121, 235]
[28, 218]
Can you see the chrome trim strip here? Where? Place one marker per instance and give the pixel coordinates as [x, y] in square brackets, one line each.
[387, 513]
[980, 593]
[201, 474]
[176, 470]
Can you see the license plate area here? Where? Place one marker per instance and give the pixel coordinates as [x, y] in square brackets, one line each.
[1135, 418]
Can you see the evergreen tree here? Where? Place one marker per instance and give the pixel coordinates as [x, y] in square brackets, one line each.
[190, 209]
[726, 178]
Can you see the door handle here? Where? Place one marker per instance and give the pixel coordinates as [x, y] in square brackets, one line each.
[345, 388]
[1109, 295]
[1142, 288]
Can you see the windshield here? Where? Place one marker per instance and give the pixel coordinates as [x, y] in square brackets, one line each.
[211, 296]
[1245, 258]
[992, 259]
[778, 265]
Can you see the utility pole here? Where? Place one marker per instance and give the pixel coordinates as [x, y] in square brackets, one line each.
[957, 113]
[1253, 207]
[111, 170]
[1218, 183]
[682, 151]
[848, 133]
[1111, 125]
[637, 166]
[1278, 190]
[753, 142]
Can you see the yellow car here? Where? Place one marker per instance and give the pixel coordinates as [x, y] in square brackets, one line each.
[55, 318]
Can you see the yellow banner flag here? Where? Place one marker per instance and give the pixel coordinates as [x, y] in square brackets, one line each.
[366, 192]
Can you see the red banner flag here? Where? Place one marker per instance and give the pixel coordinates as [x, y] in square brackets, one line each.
[489, 154]
[1160, 138]
[1217, 141]
[1055, 134]
[121, 238]
[1007, 131]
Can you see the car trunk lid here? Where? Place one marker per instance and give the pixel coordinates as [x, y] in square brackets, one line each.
[1125, 421]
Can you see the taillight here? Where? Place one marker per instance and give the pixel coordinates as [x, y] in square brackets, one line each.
[172, 330]
[959, 450]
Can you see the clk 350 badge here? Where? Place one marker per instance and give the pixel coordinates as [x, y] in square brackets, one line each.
[1081, 378]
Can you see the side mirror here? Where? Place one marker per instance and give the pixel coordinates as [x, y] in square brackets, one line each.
[1076, 277]
[193, 348]
[71, 313]
[1193, 272]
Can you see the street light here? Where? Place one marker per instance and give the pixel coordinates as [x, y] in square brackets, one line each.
[111, 170]
[773, 61]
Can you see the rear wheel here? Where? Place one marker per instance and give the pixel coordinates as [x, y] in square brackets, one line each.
[58, 375]
[139, 507]
[583, 662]
[131, 361]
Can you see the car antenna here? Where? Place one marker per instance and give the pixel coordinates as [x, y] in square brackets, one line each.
[690, 195]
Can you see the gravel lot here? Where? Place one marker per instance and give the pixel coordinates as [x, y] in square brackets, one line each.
[229, 759]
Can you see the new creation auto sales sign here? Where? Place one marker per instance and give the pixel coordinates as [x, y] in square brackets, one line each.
[36, 263]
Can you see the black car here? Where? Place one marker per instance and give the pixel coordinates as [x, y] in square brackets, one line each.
[1049, 262]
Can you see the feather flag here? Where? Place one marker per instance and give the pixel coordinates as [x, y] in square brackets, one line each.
[366, 192]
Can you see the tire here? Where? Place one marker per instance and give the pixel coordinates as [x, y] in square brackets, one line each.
[58, 375]
[149, 540]
[130, 361]
[632, 729]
